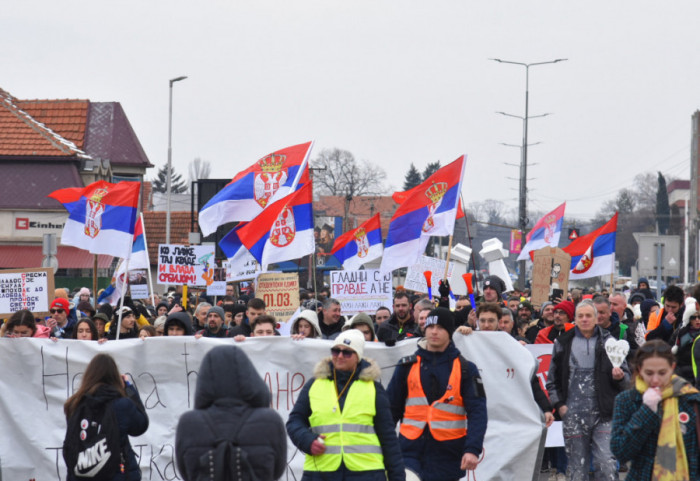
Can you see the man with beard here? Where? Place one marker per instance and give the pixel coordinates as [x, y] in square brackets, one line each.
[215, 324]
[401, 323]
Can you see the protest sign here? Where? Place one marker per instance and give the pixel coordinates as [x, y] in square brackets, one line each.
[185, 265]
[550, 270]
[280, 293]
[26, 289]
[415, 280]
[361, 291]
[39, 375]
[243, 266]
[138, 283]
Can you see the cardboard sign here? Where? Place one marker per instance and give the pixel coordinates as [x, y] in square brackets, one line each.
[550, 270]
[415, 281]
[242, 266]
[280, 293]
[31, 289]
[361, 291]
[185, 265]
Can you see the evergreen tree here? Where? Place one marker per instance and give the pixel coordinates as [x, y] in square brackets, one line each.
[663, 210]
[430, 169]
[177, 185]
[412, 178]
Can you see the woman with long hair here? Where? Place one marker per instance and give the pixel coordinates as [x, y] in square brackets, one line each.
[22, 324]
[102, 384]
[654, 422]
[85, 330]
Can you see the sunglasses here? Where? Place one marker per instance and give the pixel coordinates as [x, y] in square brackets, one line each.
[694, 318]
[346, 353]
[54, 311]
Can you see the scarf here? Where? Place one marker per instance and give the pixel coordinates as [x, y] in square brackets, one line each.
[670, 462]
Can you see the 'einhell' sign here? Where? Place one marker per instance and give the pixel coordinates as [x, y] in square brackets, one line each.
[36, 224]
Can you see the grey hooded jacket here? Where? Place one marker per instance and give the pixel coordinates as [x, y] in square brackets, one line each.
[232, 404]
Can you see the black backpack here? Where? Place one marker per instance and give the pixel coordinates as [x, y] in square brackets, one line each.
[91, 448]
[225, 460]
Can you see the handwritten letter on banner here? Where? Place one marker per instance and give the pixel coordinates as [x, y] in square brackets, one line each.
[361, 291]
[38, 375]
[185, 265]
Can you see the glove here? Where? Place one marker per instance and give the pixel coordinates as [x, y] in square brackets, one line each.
[444, 288]
[652, 397]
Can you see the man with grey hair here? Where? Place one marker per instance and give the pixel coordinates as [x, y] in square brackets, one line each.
[582, 385]
[636, 331]
[610, 321]
[331, 321]
[200, 315]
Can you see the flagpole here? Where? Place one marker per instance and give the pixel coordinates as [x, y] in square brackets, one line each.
[447, 258]
[125, 284]
[145, 242]
[94, 282]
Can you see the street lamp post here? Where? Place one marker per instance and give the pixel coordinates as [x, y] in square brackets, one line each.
[170, 158]
[522, 206]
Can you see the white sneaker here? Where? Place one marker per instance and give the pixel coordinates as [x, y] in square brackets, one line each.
[552, 475]
[561, 477]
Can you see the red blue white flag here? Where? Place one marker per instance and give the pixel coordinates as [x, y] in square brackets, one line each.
[284, 230]
[101, 216]
[546, 232]
[360, 245]
[429, 210]
[594, 254]
[252, 190]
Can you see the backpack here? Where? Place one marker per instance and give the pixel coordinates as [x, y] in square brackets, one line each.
[225, 460]
[92, 448]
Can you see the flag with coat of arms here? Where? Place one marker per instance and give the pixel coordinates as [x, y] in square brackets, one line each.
[360, 245]
[546, 232]
[101, 216]
[593, 254]
[253, 189]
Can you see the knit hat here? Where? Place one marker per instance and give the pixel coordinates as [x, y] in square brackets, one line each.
[160, 322]
[102, 316]
[495, 283]
[568, 307]
[219, 311]
[690, 310]
[60, 303]
[353, 339]
[84, 290]
[441, 317]
[362, 318]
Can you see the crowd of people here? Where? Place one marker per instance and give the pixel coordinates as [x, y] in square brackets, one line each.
[637, 415]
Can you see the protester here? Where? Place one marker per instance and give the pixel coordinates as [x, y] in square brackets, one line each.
[453, 393]
[381, 315]
[662, 324]
[363, 323]
[59, 323]
[85, 330]
[330, 320]
[563, 317]
[306, 325]
[654, 424]
[200, 315]
[100, 320]
[102, 384]
[147, 331]
[23, 324]
[401, 323]
[178, 324]
[232, 433]
[342, 421]
[255, 307]
[582, 385]
[128, 328]
[493, 289]
[636, 332]
[683, 340]
[214, 324]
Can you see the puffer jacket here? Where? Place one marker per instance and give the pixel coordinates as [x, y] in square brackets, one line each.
[232, 403]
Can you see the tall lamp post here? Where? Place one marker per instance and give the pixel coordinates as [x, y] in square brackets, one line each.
[170, 158]
[522, 206]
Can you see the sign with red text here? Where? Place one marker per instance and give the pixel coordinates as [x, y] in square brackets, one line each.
[280, 292]
[361, 291]
[30, 289]
[185, 265]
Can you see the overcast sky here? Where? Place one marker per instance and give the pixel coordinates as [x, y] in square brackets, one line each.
[393, 82]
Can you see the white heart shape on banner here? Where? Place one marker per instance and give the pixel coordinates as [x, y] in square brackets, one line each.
[617, 351]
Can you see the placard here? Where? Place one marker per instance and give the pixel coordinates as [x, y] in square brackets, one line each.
[242, 266]
[280, 292]
[361, 291]
[31, 289]
[185, 265]
[217, 288]
[550, 269]
[415, 280]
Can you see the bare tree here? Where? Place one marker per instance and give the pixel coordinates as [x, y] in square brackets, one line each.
[199, 169]
[340, 174]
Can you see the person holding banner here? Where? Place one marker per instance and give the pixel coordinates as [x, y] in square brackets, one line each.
[438, 383]
[401, 324]
[342, 420]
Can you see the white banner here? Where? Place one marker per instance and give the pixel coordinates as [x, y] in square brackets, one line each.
[38, 375]
[361, 291]
[415, 280]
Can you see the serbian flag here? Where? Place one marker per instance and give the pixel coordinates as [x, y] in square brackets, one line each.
[594, 254]
[429, 210]
[270, 178]
[283, 231]
[101, 216]
[546, 232]
[400, 197]
[360, 245]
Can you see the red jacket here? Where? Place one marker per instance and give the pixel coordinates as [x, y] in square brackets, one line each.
[543, 335]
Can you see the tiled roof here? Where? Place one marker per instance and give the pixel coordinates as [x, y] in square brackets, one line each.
[26, 185]
[67, 118]
[26, 256]
[23, 135]
[154, 223]
[360, 209]
[110, 136]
